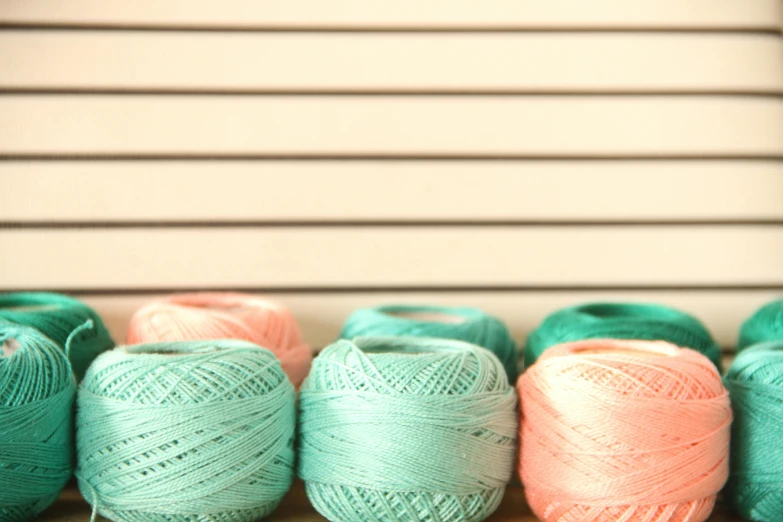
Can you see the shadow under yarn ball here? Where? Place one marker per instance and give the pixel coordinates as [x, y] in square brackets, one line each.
[70, 323]
[642, 321]
[460, 323]
[37, 391]
[406, 430]
[766, 324]
[177, 432]
[755, 382]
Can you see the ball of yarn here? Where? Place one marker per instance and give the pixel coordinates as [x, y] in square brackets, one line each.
[36, 438]
[215, 315]
[175, 432]
[623, 430]
[406, 430]
[462, 324]
[755, 382]
[73, 325]
[644, 321]
[766, 324]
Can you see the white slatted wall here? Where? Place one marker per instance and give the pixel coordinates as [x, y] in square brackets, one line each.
[515, 155]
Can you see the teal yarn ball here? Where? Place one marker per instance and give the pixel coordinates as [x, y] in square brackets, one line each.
[184, 431]
[37, 390]
[642, 321]
[462, 324]
[766, 324]
[406, 430]
[755, 383]
[73, 325]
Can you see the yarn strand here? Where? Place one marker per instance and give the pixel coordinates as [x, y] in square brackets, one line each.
[87, 325]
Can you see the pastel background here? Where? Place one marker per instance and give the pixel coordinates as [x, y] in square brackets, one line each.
[512, 155]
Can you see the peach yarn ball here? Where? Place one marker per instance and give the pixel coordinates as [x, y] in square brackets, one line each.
[221, 315]
[623, 431]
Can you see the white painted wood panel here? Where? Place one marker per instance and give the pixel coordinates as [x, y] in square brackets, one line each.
[149, 191]
[392, 125]
[286, 257]
[503, 14]
[457, 62]
[321, 315]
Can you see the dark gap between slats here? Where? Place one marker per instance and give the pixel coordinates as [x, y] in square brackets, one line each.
[327, 223]
[369, 92]
[42, 156]
[379, 28]
[668, 287]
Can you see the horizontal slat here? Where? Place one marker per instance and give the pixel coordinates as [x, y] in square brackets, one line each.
[391, 125]
[322, 315]
[626, 14]
[484, 62]
[201, 191]
[390, 256]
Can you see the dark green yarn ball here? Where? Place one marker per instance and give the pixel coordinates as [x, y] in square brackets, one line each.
[37, 389]
[469, 324]
[60, 317]
[766, 324]
[645, 321]
[755, 382]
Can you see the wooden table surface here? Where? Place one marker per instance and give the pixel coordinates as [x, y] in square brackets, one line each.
[295, 508]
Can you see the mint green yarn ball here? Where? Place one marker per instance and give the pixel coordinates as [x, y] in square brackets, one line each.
[185, 431]
[766, 324]
[462, 324]
[73, 325]
[36, 430]
[645, 321]
[406, 430]
[755, 382]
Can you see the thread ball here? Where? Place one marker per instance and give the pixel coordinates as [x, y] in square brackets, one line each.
[75, 327]
[406, 430]
[471, 325]
[225, 315]
[766, 324]
[175, 432]
[755, 382]
[37, 390]
[623, 430]
[642, 321]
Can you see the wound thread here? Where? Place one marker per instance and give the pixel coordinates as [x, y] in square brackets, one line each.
[755, 382]
[225, 315]
[627, 431]
[406, 430]
[37, 390]
[643, 321]
[175, 432]
[766, 324]
[74, 326]
[460, 323]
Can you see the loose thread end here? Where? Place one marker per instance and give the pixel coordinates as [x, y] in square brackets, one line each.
[89, 324]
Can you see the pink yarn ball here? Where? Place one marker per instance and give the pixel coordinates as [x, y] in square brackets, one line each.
[224, 315]
[629, 431]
